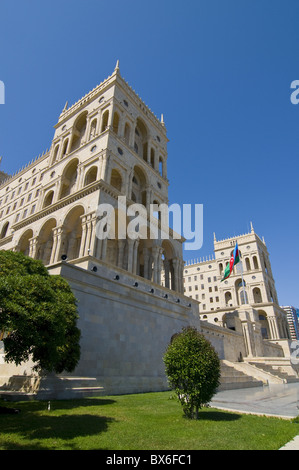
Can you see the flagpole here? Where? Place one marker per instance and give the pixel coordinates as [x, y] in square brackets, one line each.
[243, 284]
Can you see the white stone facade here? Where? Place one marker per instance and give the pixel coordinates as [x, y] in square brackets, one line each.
[108, 145]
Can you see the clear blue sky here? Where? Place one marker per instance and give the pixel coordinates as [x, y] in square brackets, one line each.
[220, 72]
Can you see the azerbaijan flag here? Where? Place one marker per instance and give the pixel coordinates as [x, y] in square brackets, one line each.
[234, 260]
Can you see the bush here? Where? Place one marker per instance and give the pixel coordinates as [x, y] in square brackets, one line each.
[193, 370]
[38, 314]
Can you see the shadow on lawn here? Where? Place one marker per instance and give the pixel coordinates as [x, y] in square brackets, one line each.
[34, 423]
[217, 416]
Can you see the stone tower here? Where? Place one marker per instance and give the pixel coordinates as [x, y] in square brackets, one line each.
[108, 145]
[246, 301]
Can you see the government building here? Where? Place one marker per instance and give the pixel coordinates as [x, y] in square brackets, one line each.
[134, 292]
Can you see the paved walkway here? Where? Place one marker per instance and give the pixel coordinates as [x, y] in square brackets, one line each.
[274, 400]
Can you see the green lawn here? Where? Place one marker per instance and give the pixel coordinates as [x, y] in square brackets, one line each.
[151, 421]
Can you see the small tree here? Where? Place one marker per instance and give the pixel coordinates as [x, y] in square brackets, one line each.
[38, 313]
[193, 369]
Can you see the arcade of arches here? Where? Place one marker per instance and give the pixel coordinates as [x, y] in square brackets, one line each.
[77, 237]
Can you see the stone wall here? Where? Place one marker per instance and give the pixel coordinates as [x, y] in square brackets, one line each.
[125, 328]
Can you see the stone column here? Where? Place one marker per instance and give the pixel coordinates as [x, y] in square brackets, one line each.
[33, 247]
[273, 327]
[135, 255]
[155, 252]
[93, 241]
[121, 247]
[166, 271]
[88, 234]
[175, 263]
[159, 265]
[145, 260]
[57, 238]
[83, 238]
[130, 254]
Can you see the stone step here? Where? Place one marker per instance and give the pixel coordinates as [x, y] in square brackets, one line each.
[276, 371]
[231, 378]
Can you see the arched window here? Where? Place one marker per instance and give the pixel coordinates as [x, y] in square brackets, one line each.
[127, 133]
[243, 297]
[115, 123]
[4, 230]
[228, 298]
[93, 127]
[247, 264]
[139, 186]
[105, 121]
[78, 132]
[240, 288]
[45, 241]
[91, 176]
[220, 268]
[265, 330]
[116, 179]
[255, 263]
[48, 199]
[55, 154]
[161, 166]
[64, 148]
[69, 178]
[257, 296]
[24, 242]
[72, 228]
[152, 157]
[141, 139]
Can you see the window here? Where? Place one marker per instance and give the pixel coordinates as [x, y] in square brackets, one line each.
[22, 202]
[209, 279]
[217, 299]
[201, 276]
[203, 296]
[196, 287]
[195, 278]
[210, 289]
[211, 300]
[216, 288]
[204, 306]
[33, 209]
[202, 286]
[189, 279]
[190, 288]
[215, 278]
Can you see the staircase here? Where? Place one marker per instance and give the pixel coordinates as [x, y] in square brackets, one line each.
[275, 370]
[52, 387]
[256, 372]
[232, 378]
